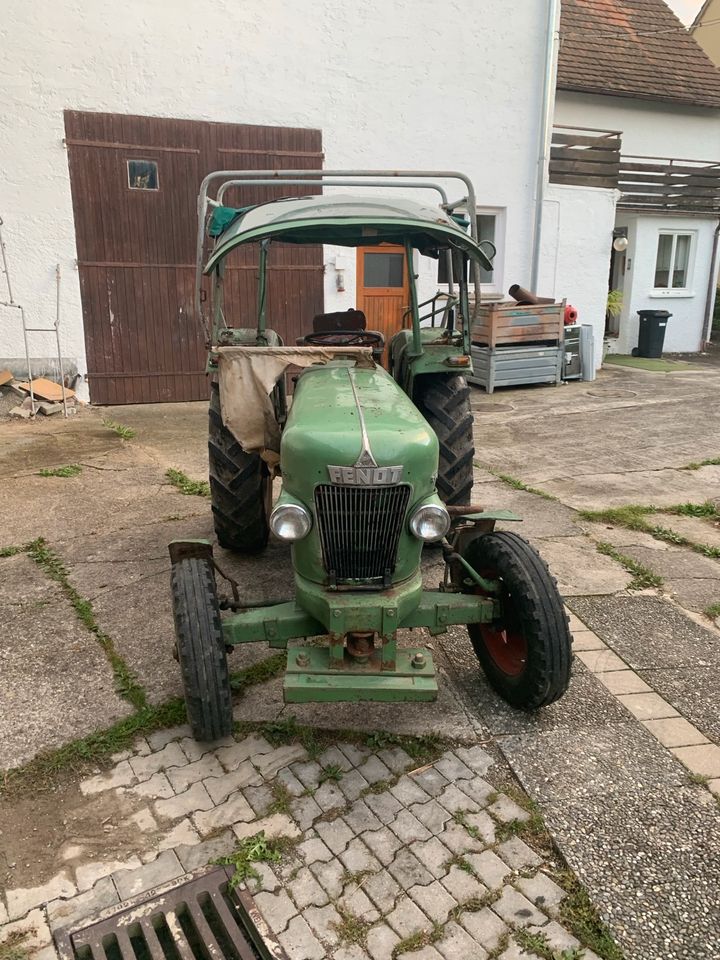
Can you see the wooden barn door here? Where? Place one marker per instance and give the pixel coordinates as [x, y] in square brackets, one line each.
[134, 184]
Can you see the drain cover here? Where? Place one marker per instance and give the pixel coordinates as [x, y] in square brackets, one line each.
[199, 919]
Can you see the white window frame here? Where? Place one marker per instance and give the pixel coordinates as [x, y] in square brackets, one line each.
[494, 289]
[686, 291]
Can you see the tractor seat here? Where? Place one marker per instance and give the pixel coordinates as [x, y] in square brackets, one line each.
[345, 328]
[341, 320]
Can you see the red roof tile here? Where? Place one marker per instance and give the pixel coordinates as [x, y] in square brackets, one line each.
[633, 48]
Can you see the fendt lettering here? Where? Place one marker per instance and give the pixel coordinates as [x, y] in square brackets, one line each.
[365, 476]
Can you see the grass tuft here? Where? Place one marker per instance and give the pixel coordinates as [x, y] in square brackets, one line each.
[519, 485]
[538, 945]
[351, 929]
[578, 913]
[643, 577]
[423, 938]
[11, 551]
[634, 517]
[13, 948]
[125, 433]
[710, 462]
[281, 798]
[259, 672]
[71, 470]
[331, 772]
[713, 611]
[251, 850]
[191, 488]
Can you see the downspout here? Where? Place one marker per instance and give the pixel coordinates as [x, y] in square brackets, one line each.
[712, 284]
[548, 109]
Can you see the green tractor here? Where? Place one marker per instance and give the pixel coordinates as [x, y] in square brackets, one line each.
[375, 464]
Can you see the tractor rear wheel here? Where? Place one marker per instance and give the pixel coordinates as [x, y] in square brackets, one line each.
[240, 487]
[526, 653]
[444, 401]
[201, 649]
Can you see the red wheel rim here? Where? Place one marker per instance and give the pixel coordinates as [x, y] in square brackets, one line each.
[504, 640]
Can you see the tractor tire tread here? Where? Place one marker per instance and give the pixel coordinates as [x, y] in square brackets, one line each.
[444, 401]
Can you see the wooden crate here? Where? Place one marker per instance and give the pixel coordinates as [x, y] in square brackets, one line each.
[509, 324]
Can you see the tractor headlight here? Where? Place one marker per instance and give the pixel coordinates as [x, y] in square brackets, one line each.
[290, 521]
[430, 522]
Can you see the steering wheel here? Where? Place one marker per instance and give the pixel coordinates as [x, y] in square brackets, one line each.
[345, 338]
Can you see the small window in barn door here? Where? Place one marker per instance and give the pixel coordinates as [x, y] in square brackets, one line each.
[143, 175]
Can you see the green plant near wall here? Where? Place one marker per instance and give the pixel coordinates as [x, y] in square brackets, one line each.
[614, 303]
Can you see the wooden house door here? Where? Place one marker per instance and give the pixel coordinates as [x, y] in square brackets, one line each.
[383, 289]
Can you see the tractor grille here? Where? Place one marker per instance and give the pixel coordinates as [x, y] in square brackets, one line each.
[360, 529]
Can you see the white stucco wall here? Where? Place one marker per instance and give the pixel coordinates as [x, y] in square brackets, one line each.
[402, 84]
[685, 328]
[577, 236]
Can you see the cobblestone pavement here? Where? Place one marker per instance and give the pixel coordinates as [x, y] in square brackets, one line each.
[386, 860]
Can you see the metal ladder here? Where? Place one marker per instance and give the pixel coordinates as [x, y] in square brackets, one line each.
[26, 329]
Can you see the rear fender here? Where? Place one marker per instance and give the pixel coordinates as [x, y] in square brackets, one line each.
[436, 357]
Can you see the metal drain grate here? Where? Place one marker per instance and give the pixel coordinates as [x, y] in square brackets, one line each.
[201, 919]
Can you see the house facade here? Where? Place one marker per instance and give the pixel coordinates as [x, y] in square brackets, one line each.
[630, 72]
[113, 113]
[706, 29]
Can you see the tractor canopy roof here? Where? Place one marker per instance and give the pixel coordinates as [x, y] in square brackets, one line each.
[345, 220]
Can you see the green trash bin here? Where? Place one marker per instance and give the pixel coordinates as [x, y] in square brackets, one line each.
[653, 324]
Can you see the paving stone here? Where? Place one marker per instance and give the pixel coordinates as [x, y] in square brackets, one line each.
[433, 855]
[300, 942]
[182, 834]
[489, 868]
[37, 936]
[352, 785]
[714, 786]
[234, 810]
[647, 706]
[141, 747]
[431, 781]
[66, 913]
[408, 828]
[462, 885]
[517, 910]
[459, 841]
[452, 768]
[330, 875]
[483, 824]
[424, 953]
[288, 779]
[360, 818]
[408, 871]
[407, 918]
[381, 941]
[335, 833]
[703, 760]
[193, 799]
[357, 857]
[220, 787]
[201, 854]
[4, 914]
[383, 890]
[623, 681]
[251, 747]
[130, 883]
[477, 789]
[350, 952]
[517, 854]
[206, 766]
[144, 820]
[601, 661]
[160, 738]
[457, 944]
[675, 732]
[355, 754]
[277, 825]
[22, 899]
[170, 756]
[396, 759]
[375, 771]
[260, 798]
[329, 797]
[484, 926]
[276, 908]
[383, 843]
[355, 901]
[156, 787]
[266, 879]
[270, 764]
[558, 937]
[542, 891]
[334, 757]
[305, 811]
[324, 921]
[506, 810]
[476, 758]
[308, 773]
[314, 850]
[306, 891]
[407, 791]
[586, 640]
[455, 800]
[194, 750]
[384, 805]
[120, 776]
[88, 874]
[434, 900]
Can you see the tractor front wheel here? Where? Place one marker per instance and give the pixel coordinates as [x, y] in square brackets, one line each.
[526, 653]
[444, 401]
[201, 649]
[240, 487]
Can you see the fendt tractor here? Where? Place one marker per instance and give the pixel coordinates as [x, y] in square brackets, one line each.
[375, 453]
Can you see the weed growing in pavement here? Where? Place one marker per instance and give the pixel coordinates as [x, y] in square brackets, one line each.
[283, 731]
[281, 798]
[71, 470]
[11, 551]
[578, 913]
[251, 850]
[710, 462]
[423, 938]
[331, 772]
[698, 779]
[13, 947]
[538, 944]
[351, 929]
[713, 611]
[191, 488]
[461, 863]
[125, 433]
[259, 672]
[643, 576]
[475, 904]
[460, 817]
[519, 485]
[634, 517]
[707, 509]
[125, 681]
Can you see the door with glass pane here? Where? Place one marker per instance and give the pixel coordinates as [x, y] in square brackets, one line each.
[383, 293]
